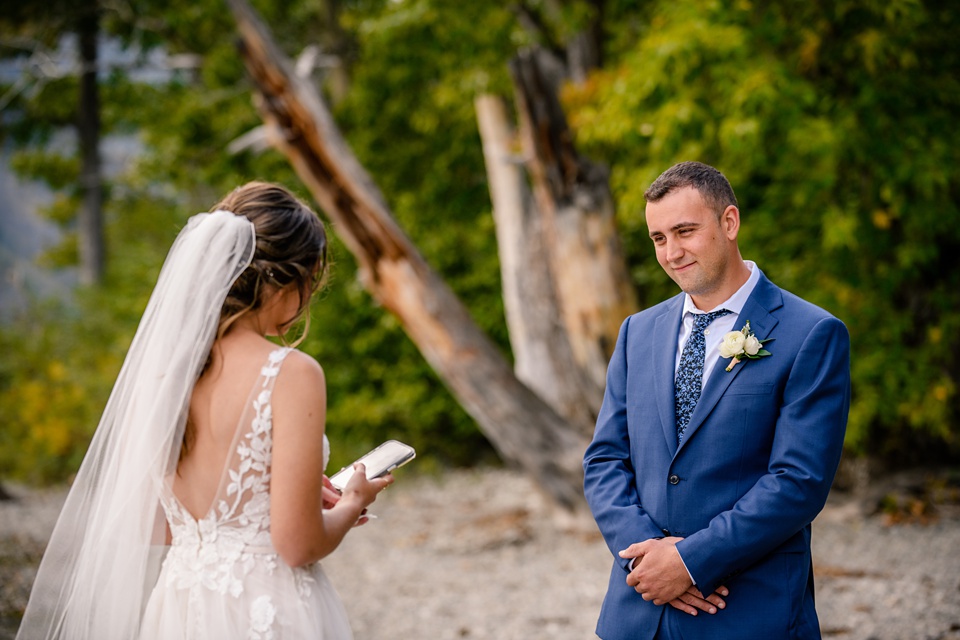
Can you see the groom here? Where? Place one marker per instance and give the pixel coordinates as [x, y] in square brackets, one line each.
[705, 471]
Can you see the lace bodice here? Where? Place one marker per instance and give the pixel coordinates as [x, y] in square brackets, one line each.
[218, 552]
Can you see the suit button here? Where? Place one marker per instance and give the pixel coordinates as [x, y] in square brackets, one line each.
[665, 532]
[674, 479]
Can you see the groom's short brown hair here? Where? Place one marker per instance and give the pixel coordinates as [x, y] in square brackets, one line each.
[713, 186]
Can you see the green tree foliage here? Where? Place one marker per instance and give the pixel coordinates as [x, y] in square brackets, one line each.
[426, 156]
[409, 117]
[61, 356]
[833, 122]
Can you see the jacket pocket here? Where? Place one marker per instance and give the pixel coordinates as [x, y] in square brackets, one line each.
[747, 388]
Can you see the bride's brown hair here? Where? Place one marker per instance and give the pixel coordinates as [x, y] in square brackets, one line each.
[291, 248]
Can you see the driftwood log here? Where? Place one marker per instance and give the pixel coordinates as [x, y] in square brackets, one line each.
[521, 425]
[573, 197]
[542, 352]
[565, 280]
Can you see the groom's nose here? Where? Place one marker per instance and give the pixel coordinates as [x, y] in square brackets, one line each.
[672, 250]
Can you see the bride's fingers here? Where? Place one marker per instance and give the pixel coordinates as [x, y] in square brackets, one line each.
[330, 497]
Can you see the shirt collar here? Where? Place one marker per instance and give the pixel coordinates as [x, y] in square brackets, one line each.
[735, 302]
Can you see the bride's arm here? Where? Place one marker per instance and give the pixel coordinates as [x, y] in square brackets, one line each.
[302, 532]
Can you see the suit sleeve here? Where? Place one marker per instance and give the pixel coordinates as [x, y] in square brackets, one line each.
[806, 451]
[609, 478]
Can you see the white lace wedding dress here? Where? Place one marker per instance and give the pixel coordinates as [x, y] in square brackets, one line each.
[221, 578]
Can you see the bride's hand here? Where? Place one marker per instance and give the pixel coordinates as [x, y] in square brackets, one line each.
[364, 518]
[329, 494]
[363, 490]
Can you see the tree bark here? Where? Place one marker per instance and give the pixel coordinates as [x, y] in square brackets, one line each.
[565, 280]
[524, 429]
[543, 355]
[90, 217]
[593, 286]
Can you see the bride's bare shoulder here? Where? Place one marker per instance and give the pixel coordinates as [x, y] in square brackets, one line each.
[299, 399]
[300, 371]
[248, 352]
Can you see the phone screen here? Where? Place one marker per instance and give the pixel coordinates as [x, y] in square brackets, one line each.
[388, 456]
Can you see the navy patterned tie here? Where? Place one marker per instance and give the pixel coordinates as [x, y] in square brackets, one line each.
[690, 372]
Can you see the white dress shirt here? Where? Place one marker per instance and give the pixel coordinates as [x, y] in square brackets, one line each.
[719, 327]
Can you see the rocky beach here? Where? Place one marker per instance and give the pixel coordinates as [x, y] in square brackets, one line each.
[481, 555]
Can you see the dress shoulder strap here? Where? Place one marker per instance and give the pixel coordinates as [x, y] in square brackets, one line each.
[247, 471]
[271, 369]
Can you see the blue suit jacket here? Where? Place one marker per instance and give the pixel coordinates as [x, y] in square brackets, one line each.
[754, 468]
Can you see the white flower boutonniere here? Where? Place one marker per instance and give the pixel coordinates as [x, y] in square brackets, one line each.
[742, 344]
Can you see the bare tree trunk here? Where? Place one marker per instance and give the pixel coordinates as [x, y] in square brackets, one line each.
[90, 218]
[559, 248]
[594, 290]
[543, 355]
[523, 428]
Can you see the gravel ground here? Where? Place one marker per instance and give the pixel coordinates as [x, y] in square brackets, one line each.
[481, 555]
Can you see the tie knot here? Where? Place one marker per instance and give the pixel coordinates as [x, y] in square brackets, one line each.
[702, 320]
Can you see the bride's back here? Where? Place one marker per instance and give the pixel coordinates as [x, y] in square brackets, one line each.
[219, 399]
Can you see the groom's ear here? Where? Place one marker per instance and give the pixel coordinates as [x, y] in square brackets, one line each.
[730, 222]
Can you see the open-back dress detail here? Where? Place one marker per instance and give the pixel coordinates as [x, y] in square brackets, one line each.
[221, 577]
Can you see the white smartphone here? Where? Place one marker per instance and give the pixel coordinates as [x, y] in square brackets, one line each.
[378, 462]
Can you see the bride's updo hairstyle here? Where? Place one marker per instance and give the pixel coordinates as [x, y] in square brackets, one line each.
[291, 248]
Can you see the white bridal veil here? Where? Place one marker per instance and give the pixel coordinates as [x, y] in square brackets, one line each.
[98, 568]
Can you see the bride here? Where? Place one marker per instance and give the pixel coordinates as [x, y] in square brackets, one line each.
[201, 508]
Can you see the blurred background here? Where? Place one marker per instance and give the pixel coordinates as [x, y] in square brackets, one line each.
[834, 120]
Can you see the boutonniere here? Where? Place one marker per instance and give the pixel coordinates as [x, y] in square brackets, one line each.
[742, 344]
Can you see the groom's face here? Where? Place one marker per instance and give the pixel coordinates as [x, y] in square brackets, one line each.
[693, 245]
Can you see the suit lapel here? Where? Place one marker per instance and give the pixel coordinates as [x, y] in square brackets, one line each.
[766, 297]
[664, 357]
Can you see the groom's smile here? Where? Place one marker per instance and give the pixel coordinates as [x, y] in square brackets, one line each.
[695, 246]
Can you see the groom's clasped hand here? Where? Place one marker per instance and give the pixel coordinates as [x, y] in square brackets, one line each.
[660, 576]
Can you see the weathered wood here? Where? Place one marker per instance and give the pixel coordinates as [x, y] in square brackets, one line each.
[593, 286]
[543, 356]
[524, 429]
